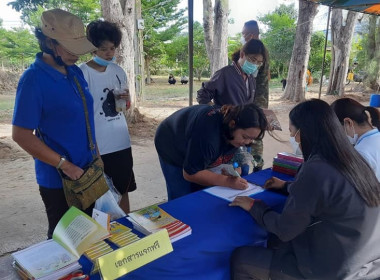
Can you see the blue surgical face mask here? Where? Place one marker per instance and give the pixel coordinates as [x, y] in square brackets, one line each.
[249, 67]
[103, 62]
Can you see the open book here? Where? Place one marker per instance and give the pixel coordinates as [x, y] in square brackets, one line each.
[55, 258]
[153, 219]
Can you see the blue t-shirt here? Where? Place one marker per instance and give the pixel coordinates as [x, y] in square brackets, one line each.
[49, 100]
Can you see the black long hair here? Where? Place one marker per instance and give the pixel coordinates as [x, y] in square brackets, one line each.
[253, 46]
[350, 108]
[244, 116]
[321, 133]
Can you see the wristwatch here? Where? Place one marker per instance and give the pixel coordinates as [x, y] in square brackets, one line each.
[60, 163]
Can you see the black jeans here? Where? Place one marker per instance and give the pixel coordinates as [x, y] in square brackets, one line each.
[56, 206]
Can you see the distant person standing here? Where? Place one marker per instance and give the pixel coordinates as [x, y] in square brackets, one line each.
[251, 31]
[108, 85]
[283, 82]
[309, 79]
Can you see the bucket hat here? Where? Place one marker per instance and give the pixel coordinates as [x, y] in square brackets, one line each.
[67, 29]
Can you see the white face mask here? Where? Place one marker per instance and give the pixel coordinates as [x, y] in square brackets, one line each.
[353, 140]
[295, 145]
[242, 40]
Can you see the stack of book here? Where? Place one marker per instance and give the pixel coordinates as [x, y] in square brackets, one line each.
[153, 219]
[287, 163]
[58, 257]
[121, 236]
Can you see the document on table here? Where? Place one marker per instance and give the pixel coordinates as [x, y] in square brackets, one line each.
[230, 194]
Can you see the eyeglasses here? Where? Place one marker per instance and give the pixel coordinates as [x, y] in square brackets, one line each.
[255, 61]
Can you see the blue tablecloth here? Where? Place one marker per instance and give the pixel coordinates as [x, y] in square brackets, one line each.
[217, 229]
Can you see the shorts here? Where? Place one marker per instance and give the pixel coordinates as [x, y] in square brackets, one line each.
[119, 166]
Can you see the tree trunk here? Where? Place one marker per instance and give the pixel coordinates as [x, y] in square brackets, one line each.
[377, 59]
[216, 33]
[373, 51]
[208, 27]
[341, 34]
[147, 69]
[139, 56]
[296, 80]
[371, 37]
[122, 12]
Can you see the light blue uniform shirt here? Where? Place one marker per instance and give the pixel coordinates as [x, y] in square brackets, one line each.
[368, 146]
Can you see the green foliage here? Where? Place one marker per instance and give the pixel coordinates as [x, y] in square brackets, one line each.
[234, 44]
[18, 46]
[162, 23]
[177, 51]
[31, 10]
[316, 54]
[279, 38]
[365, 53]
[359, 52]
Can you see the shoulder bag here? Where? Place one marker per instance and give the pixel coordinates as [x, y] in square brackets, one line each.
[82, 193]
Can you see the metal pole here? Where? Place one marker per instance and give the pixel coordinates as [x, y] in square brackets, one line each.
[191, 48]
[324, 53]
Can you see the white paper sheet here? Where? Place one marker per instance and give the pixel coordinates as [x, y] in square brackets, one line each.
[230, 194]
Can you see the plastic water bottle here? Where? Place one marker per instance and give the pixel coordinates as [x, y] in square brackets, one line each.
[244, 158]
[230, 169]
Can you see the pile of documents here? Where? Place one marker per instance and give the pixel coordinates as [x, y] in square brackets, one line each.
[287, 163]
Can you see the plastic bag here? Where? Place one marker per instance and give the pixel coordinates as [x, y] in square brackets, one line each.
[109, 202]
[113, 189]
[244, 159]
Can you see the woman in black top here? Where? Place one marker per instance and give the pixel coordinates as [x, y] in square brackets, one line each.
[193, 138]
[330, 223]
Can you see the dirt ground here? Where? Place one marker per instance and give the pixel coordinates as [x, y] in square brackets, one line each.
[150, 115]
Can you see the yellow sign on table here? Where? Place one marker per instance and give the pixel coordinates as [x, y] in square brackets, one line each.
[135, 255]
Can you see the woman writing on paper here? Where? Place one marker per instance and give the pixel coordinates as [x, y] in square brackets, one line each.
[235, 84]
[192, 138]
[330, 222]
[48, 100]
[362, 125]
